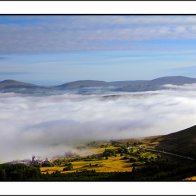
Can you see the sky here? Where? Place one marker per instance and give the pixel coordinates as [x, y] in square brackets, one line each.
[51, 50]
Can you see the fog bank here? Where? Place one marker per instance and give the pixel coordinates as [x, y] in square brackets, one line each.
[51, 125]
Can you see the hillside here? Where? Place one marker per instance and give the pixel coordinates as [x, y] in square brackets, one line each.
[129, 86]
[15, 84]
[181, 142]
[82, 84]
[176, 80]
[157, 84]
[95, 86]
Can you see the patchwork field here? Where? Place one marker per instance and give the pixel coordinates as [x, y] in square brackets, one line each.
[112, 164]
[107, 158]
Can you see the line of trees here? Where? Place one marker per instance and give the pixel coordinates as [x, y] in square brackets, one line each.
[19, 172]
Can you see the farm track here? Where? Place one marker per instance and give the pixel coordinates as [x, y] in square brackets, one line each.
[169, 153]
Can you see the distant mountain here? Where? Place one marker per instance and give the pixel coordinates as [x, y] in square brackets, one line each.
[175, 80]
[83, 84]
[92, 86]
[157, 84]
[15, 84]
[129, 86]
[20, 87]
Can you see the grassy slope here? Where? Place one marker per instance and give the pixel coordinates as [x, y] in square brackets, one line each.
[182, 142]
[112, 164]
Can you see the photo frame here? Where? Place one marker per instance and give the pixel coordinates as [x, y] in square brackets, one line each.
[177, 187]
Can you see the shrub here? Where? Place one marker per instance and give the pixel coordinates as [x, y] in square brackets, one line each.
[68, 167]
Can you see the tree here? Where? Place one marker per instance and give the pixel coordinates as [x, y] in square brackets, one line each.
[68, 167]
[2, 174]
[109, 152]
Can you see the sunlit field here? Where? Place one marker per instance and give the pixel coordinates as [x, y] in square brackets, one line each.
[113, 164]
[93, 159]
[191, 178]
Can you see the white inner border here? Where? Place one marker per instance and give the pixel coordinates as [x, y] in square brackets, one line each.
[98, 7]
[98, 188]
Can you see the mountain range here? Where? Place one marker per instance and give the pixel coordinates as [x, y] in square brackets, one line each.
[91, 86]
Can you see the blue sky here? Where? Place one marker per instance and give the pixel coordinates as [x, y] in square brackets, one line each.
[55, 49]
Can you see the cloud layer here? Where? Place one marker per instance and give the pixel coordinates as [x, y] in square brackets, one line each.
[51, 125]
[72, 33]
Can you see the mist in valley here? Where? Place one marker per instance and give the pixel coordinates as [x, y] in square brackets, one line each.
[52, 125]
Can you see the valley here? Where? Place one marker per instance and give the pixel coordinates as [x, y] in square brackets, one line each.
[121, 160]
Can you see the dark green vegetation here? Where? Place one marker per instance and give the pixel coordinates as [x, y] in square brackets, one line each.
[19, 172]
[182, 142]
[68, 167]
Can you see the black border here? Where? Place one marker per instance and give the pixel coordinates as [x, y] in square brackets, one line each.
[100, 15]
[99, 0]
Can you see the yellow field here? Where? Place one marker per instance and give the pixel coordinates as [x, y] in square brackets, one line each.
[191, 178]
[50, 170]
[112, 164]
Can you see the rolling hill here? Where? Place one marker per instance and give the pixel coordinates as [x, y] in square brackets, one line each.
[156, 84]
[21, 87]
[15, 84]
[92, 86]
[129, 86]
[83, 84]
[181, 142]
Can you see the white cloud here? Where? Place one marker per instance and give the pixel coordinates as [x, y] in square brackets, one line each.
[136, 20]
[67, 33]
[51, 125]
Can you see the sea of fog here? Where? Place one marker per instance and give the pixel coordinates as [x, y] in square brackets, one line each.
[51, 125]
